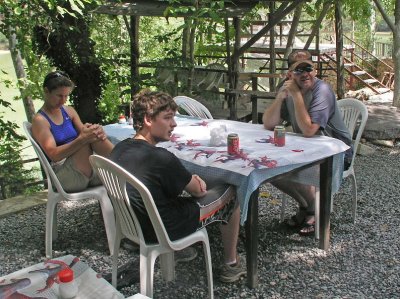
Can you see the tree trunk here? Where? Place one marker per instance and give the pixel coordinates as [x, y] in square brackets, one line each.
[396, 56]
[339, 49]
[373, 29]
[73, 52]
[134, 45]
[185, 39]
[21, 75]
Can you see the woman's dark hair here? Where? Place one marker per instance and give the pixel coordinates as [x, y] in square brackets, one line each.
[150, 103]
[57, 79]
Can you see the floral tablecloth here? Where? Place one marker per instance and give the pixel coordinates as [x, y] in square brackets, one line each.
[41, 281]
[257, 161]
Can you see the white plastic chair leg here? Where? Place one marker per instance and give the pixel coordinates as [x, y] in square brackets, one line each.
[109, 221]
[51, 227]
[115, 255]
[354, 189]
[207, 255]
[147, 273]
[167, 263]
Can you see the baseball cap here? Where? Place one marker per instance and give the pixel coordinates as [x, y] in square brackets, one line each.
[300, 62]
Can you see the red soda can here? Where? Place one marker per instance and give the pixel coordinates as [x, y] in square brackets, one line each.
[233, 143]
[279, 136]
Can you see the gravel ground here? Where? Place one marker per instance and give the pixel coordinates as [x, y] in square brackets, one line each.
[362, 262]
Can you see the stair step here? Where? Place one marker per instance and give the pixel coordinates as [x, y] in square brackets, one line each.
[383, 90]
[370, 81]
[358, 73]
[349, 64]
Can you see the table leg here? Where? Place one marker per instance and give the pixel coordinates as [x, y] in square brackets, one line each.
[325, 202]
[252, 240]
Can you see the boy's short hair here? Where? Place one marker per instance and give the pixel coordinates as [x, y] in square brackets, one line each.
[150, 103]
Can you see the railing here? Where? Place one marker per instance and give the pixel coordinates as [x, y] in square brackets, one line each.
[365, 54]
[383, 49]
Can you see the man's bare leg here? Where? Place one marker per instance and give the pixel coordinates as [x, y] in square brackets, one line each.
[305, 196]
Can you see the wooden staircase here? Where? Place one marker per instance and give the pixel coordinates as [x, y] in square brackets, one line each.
[355, 73]
[355, 59]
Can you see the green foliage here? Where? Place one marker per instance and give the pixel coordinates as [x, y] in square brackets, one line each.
[13, 175]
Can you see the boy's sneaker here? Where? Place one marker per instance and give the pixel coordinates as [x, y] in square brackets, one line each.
[231, 273]
[185, 255]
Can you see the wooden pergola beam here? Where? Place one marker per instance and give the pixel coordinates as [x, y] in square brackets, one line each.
[279, 14]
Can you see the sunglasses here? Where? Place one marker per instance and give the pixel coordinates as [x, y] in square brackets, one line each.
[299, 71]
[56, 74]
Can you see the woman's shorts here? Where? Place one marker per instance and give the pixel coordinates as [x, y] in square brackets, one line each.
[72, 180]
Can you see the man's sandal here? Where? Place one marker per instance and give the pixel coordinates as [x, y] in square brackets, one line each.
[307, 229]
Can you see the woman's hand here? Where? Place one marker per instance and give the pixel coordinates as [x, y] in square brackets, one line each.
[93, 132]
[88, 133]
[99, 132]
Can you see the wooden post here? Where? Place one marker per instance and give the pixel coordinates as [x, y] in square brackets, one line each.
[235, 68]
[229, 80]
[134, 45]
[339, 49]
[272, 55]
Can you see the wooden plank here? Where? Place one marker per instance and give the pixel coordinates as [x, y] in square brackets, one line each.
[251, 75]
[258, 93]
[158, 8]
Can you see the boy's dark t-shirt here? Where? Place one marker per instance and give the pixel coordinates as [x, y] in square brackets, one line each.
[165, 177]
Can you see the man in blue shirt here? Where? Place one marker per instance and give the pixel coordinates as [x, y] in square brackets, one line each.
[309, 105]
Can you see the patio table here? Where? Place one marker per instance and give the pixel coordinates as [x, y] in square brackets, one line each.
[258, 161]
[40, 281]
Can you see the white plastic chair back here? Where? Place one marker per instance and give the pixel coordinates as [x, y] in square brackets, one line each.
[56, 193]
[115, 179]
[193, 107]
[354, 113]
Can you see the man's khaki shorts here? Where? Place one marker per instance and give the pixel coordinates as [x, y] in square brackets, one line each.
[72, 180]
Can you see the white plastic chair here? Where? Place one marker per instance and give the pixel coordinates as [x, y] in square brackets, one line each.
[115, 179]
[193, 107]
[354, 112]
[57, 195]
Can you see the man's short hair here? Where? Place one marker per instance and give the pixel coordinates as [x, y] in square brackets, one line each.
[150, 103]
[298, 55]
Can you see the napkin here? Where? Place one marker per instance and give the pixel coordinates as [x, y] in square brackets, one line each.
[218, 136]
